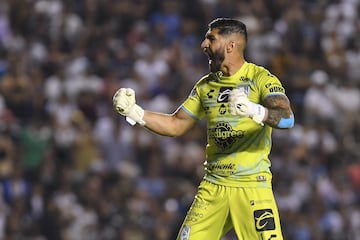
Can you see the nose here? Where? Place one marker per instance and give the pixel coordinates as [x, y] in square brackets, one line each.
[204, 44]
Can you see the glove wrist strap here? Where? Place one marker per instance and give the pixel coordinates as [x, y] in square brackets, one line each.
[136, 115]
[257, 112]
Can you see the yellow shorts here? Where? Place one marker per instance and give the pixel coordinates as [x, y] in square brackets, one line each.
[216, 209]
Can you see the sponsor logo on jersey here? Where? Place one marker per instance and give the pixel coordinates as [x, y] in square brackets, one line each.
[210, 93]
[264, 220]
[277, 89]
[222, 109]
[224, 94]
[224, 135]
[222, 166]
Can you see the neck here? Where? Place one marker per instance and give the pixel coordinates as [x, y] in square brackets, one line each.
[231, 67]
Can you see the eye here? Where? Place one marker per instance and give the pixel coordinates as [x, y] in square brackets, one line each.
[211, 39]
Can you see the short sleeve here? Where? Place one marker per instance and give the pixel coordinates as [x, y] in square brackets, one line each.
[192, 105]
[270, 85]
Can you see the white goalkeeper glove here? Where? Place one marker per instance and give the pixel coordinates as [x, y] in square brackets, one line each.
[124, 103]
[240, 105]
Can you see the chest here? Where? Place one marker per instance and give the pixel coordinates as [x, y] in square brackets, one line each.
[215, 96]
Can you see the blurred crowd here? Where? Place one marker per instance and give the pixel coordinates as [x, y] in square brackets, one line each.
[72, 169]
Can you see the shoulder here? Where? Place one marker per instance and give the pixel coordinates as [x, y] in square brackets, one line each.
[262, 76]
[260, 71]
[265, 81]
[210, 77]
[206, 79]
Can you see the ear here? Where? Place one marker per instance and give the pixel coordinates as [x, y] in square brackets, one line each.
[230, 46]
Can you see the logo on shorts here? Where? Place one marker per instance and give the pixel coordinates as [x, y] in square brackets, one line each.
[185, 233]
[264, 220]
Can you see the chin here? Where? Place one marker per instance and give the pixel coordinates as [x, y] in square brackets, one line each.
[214, 69]
[214, 65]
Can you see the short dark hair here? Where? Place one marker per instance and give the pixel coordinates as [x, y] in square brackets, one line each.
[228, 26]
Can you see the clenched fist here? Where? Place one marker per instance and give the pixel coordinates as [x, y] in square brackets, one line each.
[124, 100]
[240, 105]
[124, 103]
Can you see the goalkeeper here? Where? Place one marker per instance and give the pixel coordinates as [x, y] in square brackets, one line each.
[236, 191]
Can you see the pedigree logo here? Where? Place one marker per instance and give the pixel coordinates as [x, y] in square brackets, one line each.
[223, 135]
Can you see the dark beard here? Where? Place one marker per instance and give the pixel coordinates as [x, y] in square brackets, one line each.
[216, 60]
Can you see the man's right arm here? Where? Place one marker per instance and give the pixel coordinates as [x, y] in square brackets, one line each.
[172, 125]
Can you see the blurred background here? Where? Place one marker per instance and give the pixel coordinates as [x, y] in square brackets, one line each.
[72, 169]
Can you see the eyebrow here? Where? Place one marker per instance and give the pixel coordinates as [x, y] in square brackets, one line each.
[209, 35]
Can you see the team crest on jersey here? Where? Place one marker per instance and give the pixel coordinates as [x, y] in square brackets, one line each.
[224, 135]
[245, 86]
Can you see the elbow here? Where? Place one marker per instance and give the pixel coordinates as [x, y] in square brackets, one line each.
[286, 123]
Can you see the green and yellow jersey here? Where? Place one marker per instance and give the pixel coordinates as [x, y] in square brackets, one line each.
[238, 148]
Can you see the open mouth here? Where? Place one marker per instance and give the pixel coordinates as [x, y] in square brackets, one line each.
[208, 54]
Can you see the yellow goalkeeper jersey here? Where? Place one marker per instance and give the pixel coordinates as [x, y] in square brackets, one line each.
[238, 148]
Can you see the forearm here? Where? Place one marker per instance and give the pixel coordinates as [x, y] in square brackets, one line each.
[278, 112]
[160, 123]
[279, 118]
[172, 125]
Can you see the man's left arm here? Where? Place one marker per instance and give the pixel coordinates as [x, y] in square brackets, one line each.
[278, 112]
